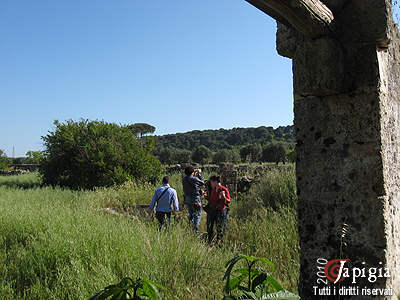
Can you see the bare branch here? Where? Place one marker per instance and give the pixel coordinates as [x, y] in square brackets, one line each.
[310, 17]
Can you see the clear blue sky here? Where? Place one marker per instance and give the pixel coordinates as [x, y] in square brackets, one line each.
[178, 65]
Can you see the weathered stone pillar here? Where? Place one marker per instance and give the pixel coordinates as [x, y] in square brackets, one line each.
[347, 121]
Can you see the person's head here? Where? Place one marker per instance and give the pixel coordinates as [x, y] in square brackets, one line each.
[189, 170]
[166, 180]
[215, 181]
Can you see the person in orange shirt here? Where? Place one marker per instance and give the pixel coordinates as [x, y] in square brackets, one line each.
[218, 200]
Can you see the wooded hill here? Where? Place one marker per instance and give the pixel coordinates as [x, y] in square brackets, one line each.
[227, 138]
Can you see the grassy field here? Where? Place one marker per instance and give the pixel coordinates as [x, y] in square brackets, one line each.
[60, 244]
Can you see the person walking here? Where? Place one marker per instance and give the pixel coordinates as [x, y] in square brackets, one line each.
[164, 200]
[217, 208]
[192, 183]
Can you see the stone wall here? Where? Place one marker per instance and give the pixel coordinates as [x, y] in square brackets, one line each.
[347, 126]
[390, 136]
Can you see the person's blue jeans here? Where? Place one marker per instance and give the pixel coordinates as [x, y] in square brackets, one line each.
[194, 212]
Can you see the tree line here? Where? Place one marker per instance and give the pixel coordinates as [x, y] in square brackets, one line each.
[261, 144]
[87, 154]
[227, 138]
[31, 157]
[272, 152]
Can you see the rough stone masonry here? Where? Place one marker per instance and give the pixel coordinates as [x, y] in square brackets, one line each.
[346, 81]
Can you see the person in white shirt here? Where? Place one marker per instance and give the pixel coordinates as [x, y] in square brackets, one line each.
[165, 199]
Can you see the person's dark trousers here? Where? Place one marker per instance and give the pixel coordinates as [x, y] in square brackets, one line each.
[219, 218]
[164, 218]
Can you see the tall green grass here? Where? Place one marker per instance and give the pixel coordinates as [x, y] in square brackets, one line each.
[59, 244]
[130, 194]
[53, 246]
[264, 223]
[276, 190]
[26, 181]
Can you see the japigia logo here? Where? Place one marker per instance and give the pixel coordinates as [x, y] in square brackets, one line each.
[334, 270]
[337, 271]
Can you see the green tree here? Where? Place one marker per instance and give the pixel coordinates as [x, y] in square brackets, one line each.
[141, 129]
[291, 155]
[182, 156]
[250, 153]
[201, 155]
[226, 155]
[34, 157]
[148, 143]
[3, 160]
[229, 139]
[222, 156]
[273, 153]
[88, 154]
[173, 156]
[166, 156]
[235, 157]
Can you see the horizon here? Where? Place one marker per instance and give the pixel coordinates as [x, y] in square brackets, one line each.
[170, 65]
[211, 129]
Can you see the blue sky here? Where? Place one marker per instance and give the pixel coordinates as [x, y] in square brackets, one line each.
[178, 65]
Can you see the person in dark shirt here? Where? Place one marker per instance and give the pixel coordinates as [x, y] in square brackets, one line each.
[218, 201]
[192, 183]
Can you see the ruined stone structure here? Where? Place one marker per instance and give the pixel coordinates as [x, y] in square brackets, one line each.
[347, 111]
[229, 178]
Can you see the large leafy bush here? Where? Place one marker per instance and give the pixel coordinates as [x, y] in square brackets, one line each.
[88, 154]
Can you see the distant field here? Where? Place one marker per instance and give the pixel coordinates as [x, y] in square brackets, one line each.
[59, 244]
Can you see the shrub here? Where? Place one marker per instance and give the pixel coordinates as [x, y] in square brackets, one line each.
[273, 153]
[88, 154]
